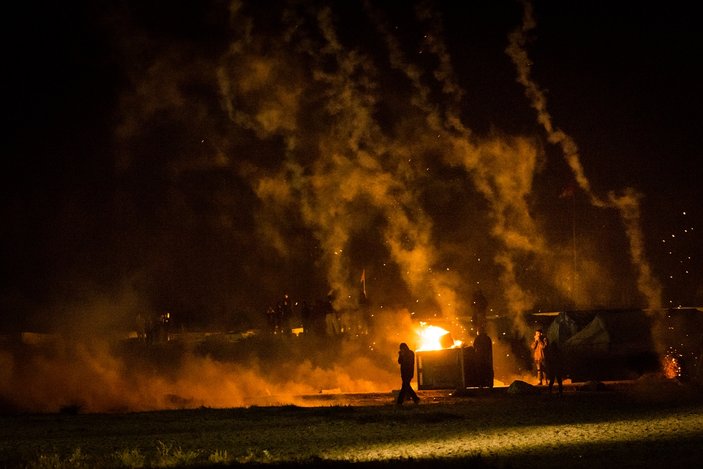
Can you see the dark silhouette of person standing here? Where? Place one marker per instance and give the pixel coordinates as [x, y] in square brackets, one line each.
[553, 366]
[406, 360]
[483, 353]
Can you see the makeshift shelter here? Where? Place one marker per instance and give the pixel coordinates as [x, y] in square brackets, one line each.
[615, 344]
[567, 324]
[614, 332]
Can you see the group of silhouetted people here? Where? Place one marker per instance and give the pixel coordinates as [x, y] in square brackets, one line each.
[151, 329]
[279, 316]
[319, 318]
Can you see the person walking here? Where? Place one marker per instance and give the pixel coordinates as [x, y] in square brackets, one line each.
[538, 345]
[406, 360]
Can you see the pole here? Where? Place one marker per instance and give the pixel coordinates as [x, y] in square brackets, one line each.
[573, 241]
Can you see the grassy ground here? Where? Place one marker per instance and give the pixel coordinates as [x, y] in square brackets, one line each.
[649, 424]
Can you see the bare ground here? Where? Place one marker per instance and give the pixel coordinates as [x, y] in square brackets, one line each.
[648, 423]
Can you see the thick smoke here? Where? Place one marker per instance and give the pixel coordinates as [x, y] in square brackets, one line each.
[303, 153]
[65, 372]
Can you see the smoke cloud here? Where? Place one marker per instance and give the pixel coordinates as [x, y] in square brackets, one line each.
[290, 154]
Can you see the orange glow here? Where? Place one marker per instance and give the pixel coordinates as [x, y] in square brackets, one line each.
[671, 365]
[435, 338]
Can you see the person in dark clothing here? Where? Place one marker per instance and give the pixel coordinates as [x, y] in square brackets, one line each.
[479, 305]
[553, 366]
[406, 360]
[483, 353]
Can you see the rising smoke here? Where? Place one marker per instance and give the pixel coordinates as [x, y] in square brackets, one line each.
[304, 153]
[627, 204]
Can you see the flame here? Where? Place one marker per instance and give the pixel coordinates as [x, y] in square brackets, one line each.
[671, 364]
[435, 338]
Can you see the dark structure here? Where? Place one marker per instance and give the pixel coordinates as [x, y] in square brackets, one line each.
[457, 368]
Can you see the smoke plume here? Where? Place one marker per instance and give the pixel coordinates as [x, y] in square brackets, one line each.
[278, 149]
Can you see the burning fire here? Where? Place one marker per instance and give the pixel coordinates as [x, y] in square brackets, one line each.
[435, 338]
[671, 364]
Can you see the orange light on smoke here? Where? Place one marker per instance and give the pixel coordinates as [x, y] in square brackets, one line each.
[435, 338]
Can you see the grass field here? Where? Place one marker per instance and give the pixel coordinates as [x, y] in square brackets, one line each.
[650, 423]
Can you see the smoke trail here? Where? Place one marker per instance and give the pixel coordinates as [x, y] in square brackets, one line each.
[500, 168]
[627, 205]
[333, 147]
[518, 54]
[356, 173]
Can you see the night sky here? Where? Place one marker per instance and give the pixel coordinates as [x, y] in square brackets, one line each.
[204, 157]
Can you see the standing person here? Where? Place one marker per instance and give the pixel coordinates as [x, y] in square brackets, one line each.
[483, 352]
[406, 360]
[553, 366]
[538, 345]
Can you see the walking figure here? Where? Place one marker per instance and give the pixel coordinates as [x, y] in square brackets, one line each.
[406, 360]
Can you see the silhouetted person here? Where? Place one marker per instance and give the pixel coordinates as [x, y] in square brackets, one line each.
[553, 366]
[483, 356]
[538, 345]
[332, 325]
[406, 360]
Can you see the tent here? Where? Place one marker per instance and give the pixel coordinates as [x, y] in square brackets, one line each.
[623, 332]
[566, 325]
[594, 338]
[615, 344]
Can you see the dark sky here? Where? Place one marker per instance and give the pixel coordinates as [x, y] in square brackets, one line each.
[204, 157]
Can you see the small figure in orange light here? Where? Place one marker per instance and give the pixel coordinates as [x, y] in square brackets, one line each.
[538, 345]
[406, 360]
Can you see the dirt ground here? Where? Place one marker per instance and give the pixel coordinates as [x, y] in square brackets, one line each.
[648, 423]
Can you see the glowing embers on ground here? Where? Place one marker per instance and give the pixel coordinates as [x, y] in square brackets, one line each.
[435, 338]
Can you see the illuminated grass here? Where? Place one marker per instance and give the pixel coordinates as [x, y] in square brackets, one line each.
[596, 429]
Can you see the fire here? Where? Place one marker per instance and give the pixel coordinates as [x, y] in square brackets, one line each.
[671, 364]
[435, 338]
